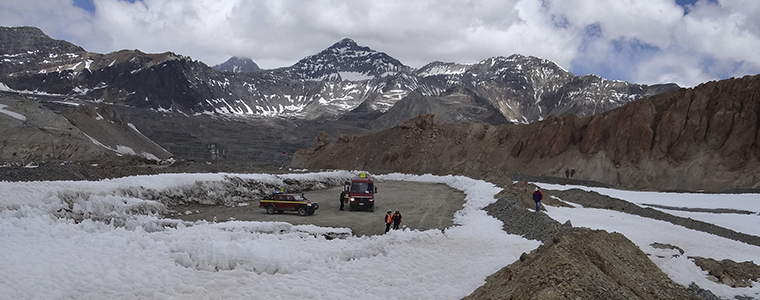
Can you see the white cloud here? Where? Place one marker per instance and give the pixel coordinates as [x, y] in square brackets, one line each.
[648, 41]
[57, 18]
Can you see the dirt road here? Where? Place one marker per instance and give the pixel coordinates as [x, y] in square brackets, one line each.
[422, 205]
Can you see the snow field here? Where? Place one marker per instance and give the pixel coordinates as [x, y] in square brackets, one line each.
[146, 257]
[104, 240]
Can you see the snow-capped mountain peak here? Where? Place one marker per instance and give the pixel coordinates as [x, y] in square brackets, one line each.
[345, 60]
[238, 65]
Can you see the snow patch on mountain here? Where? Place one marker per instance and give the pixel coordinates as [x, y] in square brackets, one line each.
[15, 115]
[354, 76]
[5, 88]
[442, 69]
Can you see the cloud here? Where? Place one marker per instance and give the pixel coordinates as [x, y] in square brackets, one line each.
[646, 41]
[58, 18]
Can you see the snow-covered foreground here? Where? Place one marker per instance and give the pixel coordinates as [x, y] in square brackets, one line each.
[47, 257]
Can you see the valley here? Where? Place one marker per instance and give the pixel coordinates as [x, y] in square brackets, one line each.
[158, 161]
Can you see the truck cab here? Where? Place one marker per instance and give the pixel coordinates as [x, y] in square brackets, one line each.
[361, 193]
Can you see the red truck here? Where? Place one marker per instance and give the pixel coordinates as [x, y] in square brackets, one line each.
[361, 193]
[282, 202]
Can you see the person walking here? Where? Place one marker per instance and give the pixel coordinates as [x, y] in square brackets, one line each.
[388, 221]
[342, 199]
[537, 197]
[396, 220]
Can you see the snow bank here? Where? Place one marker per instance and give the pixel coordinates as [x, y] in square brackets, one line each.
[134, 254]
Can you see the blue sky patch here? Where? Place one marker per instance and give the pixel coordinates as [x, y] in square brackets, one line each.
[85, 4]
[89, 6]
[686, 3]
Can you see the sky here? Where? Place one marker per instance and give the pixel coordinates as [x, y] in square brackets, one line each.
[642, 41]
[47, 257]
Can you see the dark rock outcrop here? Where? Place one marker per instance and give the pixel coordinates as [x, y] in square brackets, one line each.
[28, 48]
[238, 65]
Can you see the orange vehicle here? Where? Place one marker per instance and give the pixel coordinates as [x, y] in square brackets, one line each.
[361, 193]
[289, 202]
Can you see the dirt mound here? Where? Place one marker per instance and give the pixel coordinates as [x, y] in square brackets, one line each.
[581, 263]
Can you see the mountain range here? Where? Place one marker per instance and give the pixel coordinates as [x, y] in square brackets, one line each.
[166, 104]
[329, 84]
[67, 114]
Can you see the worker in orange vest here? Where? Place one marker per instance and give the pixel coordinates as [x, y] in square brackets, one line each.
[388, 221]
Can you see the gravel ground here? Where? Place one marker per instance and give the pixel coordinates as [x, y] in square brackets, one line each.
[422, 205]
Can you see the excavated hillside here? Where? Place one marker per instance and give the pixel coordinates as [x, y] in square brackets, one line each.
[704, 138]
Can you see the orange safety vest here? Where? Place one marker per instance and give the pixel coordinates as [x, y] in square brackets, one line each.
[388, 218]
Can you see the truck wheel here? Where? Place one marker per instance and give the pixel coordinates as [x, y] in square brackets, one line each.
[270, 210]
[371, 208]
[302, 211]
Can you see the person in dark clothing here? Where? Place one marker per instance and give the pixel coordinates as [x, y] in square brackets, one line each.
[342, 199]
[396, 220]
[537, 197]
[388, 221]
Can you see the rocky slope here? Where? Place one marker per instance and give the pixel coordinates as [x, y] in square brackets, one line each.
[705, 138]
[30, 134]
[33, 133]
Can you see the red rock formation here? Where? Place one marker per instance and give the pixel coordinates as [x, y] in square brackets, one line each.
[592, 136]
[701, 138]
[551, 139]
[630, 136]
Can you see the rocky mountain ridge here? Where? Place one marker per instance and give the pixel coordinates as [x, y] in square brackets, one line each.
[329, 84]
[344, 60]
[703, 138]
